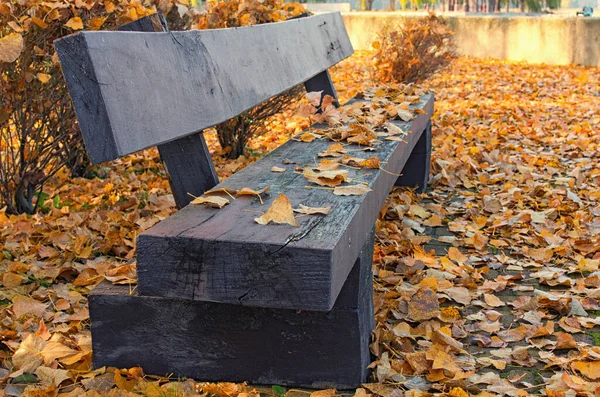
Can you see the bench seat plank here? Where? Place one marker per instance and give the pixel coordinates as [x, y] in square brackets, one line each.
[222, 255]
[134, 90]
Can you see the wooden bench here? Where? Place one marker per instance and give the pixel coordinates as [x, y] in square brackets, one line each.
[219, 296]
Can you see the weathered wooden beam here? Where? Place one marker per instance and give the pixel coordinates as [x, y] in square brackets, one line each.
[222, 255]
[416, 171]
[223, 342]
[135, 90]
[187, 160]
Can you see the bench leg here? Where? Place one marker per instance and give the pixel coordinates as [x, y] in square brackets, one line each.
[416, 170]
[222, 342]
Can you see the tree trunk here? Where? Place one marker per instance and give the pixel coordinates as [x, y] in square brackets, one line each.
[522, 5]
[392, 5]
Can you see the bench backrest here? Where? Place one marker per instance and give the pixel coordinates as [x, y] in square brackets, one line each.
[135, 90]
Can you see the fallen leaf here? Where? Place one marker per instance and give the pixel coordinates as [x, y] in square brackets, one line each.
[351, 190]
[11, 47]
[423, 305]
[74, 23]
[277, 169]
[280, 212]
[325, 178]
[312, 210]
[211, 201]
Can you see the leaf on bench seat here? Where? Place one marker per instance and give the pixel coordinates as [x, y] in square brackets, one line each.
[325, 178]
[312, 210]
[351, 190]
[212, 201]
[280, 212]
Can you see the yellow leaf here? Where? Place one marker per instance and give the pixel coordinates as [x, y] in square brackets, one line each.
[588, 369]
[123, 383]
[96, 23]
[11, 47]
[74, 23]
[43, 77]
[280, 212]
[39, 22]
[326, 178]
[29, 354]
[246, 191]
[56, 350]
[371, 162]
[10, 280]
[351, 190]
[212, 201]
[312, 210]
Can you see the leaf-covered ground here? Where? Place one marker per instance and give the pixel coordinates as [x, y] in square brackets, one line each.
[486, 285]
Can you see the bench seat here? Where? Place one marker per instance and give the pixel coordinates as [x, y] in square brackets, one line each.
[222, 255]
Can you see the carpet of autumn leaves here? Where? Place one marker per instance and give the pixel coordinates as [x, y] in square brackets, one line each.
[485, 285]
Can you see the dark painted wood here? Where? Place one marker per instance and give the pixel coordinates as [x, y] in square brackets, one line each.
[222, 342]
[222, 255]
[189, 166]
[187, 160]
[136, 90]
[416, 171]
[322, 82]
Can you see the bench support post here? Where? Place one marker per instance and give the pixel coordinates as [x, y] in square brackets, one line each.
[187, 161]
[416, 170]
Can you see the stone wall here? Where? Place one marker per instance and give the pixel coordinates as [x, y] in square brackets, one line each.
[546, 39]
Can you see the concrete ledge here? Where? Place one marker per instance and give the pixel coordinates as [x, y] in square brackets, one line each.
[548, 39]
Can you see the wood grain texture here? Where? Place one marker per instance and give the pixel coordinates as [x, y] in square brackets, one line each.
[222, 342]
[416, 171]
[187, 160]
[135, 90]
[222, 255]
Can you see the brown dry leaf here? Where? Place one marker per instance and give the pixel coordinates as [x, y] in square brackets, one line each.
[23, 306]
[29, 354]
[246, 191]
[11, 47]
[323, 393]
[211, 201]
[55, 351]
[123, 383]
[588, 369]
[51, 376]
[74, 23]
[306, 110]
[423, 305]
[280, 212]
[404, 113]
[371, 162]
[314, 97]
[307, 137]
[96, 23]
[325, 178]
[277, 169]
[43, 77]
[312, 210]
[565, 341]
[125, 274]
[328, 165]
[351, 190]
[493, 300]
[335, 150]
[10, 280]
